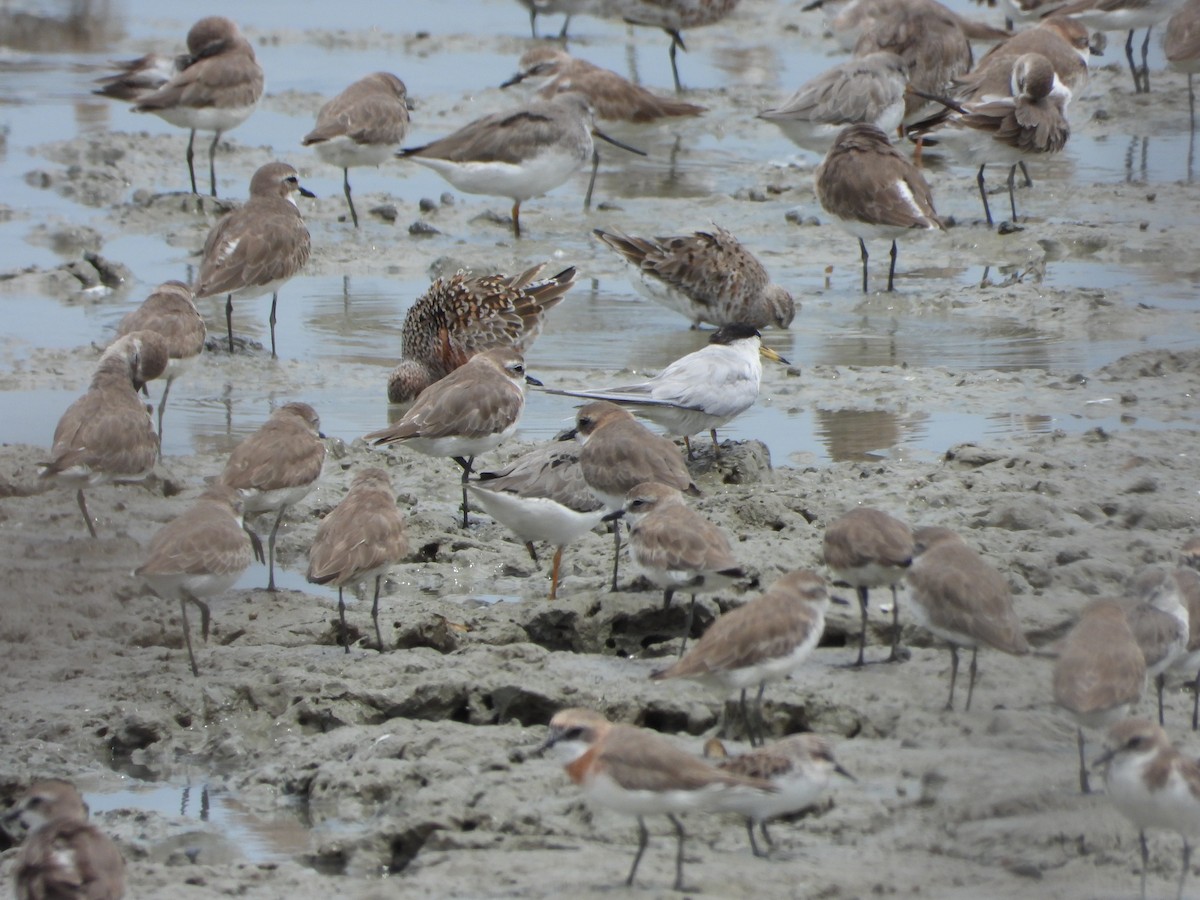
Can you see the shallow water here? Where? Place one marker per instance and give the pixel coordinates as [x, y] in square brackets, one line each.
[44, 96]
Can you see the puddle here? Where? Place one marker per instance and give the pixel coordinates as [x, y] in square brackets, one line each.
[259, 838]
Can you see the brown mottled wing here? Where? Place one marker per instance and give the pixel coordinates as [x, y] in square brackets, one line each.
[1099, 666]
[551, 472]
[977, 599]
[761, 764]
[629, 454]
[681, 538]
[870, 537]
[858, 180]
[500, 137]
[638, 760]
[1155, 631]
[180, 324]
[766, 628]
[205, 539]
[278, 455]
[613, 97]
[1182, 39]
[69, 860]
[107, 431]
[365, 531]
[708, 266]
[365, 114]
[462, 407]
[236, 76]
[1035, 128]
[243, 251]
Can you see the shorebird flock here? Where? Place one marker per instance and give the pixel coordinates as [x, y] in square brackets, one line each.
[460, 386]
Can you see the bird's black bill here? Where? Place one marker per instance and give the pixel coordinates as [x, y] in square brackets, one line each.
[616, 143]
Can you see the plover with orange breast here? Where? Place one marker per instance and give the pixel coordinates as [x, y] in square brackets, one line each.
[640, 773]
[868, 548]
[800, 767]
[869, 88]
[465, 314]
[472, 410]
[963, 600]
[361, 126]
[613, 97]
[542, 496]
[758, 643]
[1159, 621]
[620, 453]
[358, 540]
[201, 553]
[63, 855]
[1099, 672]
[216, 90]
[708, 276]
[518, 153]
[1154, 785]
[701, 391]
[874, 191]
[277, 467]
[106, 435]
[257, 248]
[1121, 15]
[675, 547]
[170, 311]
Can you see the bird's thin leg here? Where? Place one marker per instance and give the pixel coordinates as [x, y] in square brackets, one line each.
[1145, 64]
[745, 710]
[895, 654]
[1187, 859]
[1012, 200]
[892, 267]
[375, 613]
[678, 851]
[1085, 786]
[187, 635]
[1142, 842]
[467, 462]
[987, 210]
[616, 530]
[676, 43]
[271, 550]
[349, 199]
[1133, 70]
[953, 675]
[274, 303]
[753, 843]
[205, 614]
[1160, 681]
[971, 683]
[862, 246]
[1025, 172]
[643, 837]
[212, 164]
[1196, 702]
[342, 616]
[516, 217]
[162, 406]
[761, 726]
[87, 516]
[554, 570]
[229, 320]
[587, 198]
[862, 631]
[687, 625]
[190, 157]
